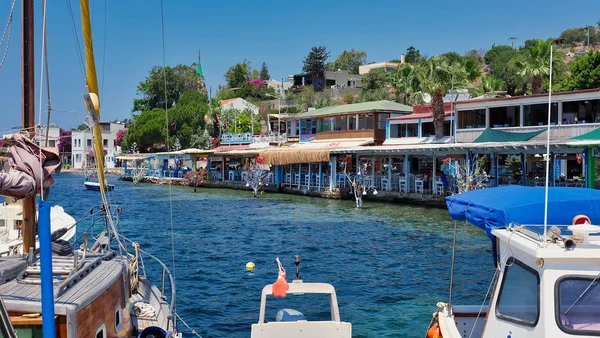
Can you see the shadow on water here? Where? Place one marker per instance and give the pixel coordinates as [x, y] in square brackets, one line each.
[389, 263]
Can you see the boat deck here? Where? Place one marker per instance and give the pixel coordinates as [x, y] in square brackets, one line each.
[92, 282]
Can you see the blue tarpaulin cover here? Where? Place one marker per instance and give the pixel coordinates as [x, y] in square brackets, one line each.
[497, 207]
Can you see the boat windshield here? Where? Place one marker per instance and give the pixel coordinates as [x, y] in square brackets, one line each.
[578, 310]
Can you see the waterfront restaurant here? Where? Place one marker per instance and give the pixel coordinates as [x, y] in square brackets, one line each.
[350, 121]
[573, 114]
[418, 126]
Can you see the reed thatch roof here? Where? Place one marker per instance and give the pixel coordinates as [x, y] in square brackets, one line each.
[288, 156]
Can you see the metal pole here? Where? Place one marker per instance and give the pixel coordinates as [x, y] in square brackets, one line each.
[452, 269]
[46, 271]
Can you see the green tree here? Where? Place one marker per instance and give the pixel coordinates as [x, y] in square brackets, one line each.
[375, 79]
[405, 83]
[184, 135]
[488, 86]
[148, 130]
[180, 79]
[237, 74]
[212, 119]
[413, 55]
[501, 62]
[536, 64]
[435, 79]
[585, 72]
[348, 60]
[264, 72]
[573, 36]
[201, 139]
[314, 62]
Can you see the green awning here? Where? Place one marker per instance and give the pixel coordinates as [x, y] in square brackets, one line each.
[491, 135]
[592, 135]
[384, 106]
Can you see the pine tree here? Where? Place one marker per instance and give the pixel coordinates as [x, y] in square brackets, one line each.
[264, 72]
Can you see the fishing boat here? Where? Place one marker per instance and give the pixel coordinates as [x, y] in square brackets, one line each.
[95, 186]
[293, 323]
[547, 281]
[101, 288]
[62, 226]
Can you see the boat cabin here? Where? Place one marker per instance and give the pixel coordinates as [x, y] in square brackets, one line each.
[547, 282]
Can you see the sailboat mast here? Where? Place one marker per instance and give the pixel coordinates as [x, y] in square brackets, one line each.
[28, 114]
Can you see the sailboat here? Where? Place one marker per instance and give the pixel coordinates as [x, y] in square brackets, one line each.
[101, 288]
[547, 278]
[62, 226]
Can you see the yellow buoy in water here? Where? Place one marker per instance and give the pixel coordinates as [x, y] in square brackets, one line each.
[250, 266]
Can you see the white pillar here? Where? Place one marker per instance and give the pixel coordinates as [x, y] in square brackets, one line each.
[299, 175]
[434, 178]
[389, 182]
[332, 172]
[320, 175]
[309, 175]
[487, 117]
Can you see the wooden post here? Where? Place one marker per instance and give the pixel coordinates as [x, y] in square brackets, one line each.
[28, 114]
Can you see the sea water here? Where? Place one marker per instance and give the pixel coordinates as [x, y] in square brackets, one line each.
[390, 264]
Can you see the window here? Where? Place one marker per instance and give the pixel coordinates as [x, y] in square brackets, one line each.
[587, 111]
[339, 123]
[501, 117]
[408, 130]
[352, 122]
[105, 142]
[537, 114]
[77, 157]
[578, 306]
[381, 120]
[519, 298]
[325, 124]
[117, 319]
[101, 331]
[365, 121]
[468, 119]
[89, 143]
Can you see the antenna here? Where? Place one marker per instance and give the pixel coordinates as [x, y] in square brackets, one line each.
[548, 145]
[512, 42]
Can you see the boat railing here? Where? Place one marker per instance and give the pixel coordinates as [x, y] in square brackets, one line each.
[165, 273]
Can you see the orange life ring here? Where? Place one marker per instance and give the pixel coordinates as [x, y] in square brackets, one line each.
[434, 331]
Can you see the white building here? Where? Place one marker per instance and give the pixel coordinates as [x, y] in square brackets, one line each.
[279, 85]
[239, 104]
[81, 141]
[53, 136]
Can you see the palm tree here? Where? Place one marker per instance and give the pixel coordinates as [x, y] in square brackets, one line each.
[405, 82]
[435, 78]
[536, 65]
[489, 85]
[212, 116]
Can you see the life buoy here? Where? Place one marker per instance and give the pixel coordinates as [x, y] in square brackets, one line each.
[581, 219]
[434, 331]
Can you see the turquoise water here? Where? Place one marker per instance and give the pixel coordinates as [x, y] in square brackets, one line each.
[390, 264]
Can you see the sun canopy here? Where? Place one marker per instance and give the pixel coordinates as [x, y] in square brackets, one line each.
[492, 135]
[592, 135]
[497, 207]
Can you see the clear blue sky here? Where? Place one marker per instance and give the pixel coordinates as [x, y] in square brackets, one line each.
[279, 33]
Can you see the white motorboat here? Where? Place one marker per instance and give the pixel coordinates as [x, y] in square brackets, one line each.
[62, 225]
[547, 281]
[291, 323]
[95, 186]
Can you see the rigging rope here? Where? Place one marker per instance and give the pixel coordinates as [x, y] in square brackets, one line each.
[104, 49]
[162, 22]
[39, 134]
[76, 38]
[162, 18]
[192, 331]
[7, 32]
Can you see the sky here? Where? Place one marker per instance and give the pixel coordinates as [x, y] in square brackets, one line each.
[128, 43]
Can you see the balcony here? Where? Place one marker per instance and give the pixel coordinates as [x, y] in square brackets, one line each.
[560, 132]
[248, 138]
